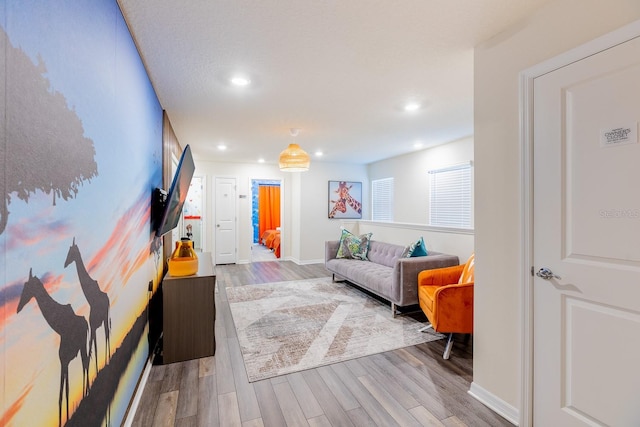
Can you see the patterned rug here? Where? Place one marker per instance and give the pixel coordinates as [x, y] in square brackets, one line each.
[287, 327]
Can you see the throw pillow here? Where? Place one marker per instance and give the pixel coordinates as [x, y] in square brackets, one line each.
[416, 249]
[357, 247]
[343, 235]
[352, 246]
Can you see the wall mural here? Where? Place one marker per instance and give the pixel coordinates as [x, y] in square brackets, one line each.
[80, 152]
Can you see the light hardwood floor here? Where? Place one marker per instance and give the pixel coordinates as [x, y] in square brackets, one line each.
[413, 386]
[260, 253]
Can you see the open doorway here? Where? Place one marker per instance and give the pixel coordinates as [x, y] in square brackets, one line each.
[265, 196]
[191, 221]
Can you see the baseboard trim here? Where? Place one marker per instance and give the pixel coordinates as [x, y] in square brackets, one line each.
[494, 403]
[133, 407]
[301, 262]
[311, 261]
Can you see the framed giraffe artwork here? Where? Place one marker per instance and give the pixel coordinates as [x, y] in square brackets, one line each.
[345, 199]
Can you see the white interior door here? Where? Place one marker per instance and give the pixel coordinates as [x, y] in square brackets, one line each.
[586, 231]
[225, 220]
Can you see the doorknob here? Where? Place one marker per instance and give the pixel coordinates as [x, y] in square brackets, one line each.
[547, 274]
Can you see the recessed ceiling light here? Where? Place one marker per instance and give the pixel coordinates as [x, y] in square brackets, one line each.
[240, 81]
[222, 147]
[412, 106]
[260, 160]
[418, 145]
[318, 153]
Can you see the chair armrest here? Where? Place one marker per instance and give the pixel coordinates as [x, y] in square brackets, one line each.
[454, 308]
[406, 272]
[440, 276]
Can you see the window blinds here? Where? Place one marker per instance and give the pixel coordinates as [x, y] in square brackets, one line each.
[382, 199]
[450, 196]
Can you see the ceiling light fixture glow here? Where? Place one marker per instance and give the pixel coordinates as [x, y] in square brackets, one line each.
[240, 81]
[222, 147]
[412, 106]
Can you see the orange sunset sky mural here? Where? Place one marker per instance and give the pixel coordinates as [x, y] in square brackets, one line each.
[82, 155]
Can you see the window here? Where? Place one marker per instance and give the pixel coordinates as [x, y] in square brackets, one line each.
[382, 199]
[450, 197]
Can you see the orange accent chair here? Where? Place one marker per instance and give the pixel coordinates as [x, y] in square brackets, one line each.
[446, 297]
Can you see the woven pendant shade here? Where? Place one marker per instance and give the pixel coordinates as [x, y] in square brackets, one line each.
[294, 159]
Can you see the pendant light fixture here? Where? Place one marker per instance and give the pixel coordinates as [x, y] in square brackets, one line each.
[294, 158]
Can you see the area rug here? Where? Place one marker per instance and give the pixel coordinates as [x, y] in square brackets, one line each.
[286, 327]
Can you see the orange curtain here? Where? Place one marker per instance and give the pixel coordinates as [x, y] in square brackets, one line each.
[268, 208]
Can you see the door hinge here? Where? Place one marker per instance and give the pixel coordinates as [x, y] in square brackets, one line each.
[532, 270]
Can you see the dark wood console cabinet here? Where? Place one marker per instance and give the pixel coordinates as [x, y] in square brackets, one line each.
[189, 313]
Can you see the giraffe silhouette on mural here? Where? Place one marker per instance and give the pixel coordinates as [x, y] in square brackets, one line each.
[98, 302]
[73, 331]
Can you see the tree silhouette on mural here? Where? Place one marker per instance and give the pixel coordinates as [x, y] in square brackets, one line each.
[45, 147]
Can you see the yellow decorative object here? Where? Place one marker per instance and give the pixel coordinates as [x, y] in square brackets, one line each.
[294, 159]
[183, 261]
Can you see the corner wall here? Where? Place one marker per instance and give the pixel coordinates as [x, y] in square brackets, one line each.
[556, 28]
[305, 224]
[411, 178]
[305, 195]
[411, 199]
[453, 242]
[315, 225]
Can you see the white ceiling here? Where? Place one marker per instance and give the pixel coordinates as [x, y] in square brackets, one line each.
[339, 70]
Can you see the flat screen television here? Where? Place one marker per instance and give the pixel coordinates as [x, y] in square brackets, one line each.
[170, 209]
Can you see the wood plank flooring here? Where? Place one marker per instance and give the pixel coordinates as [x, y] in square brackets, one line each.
[412, 386]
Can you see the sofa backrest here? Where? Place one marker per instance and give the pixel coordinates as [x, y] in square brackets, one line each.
[384, 253]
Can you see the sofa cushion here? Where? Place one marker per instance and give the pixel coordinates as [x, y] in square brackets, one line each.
[384, 253]
[374, 277]
[417, 248]
[352, 246]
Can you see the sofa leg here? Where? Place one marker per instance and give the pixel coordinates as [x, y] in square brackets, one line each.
[447, 349]
[393, 310]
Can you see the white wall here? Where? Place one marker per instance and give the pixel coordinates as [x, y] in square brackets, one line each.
[453, 242]
[411, 199]
[315, 225]
[556, 28]
[305, 224]
[305, 198]
[411, 180]
[243, 173]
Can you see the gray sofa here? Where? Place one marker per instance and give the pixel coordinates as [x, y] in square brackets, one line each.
[386, 273]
